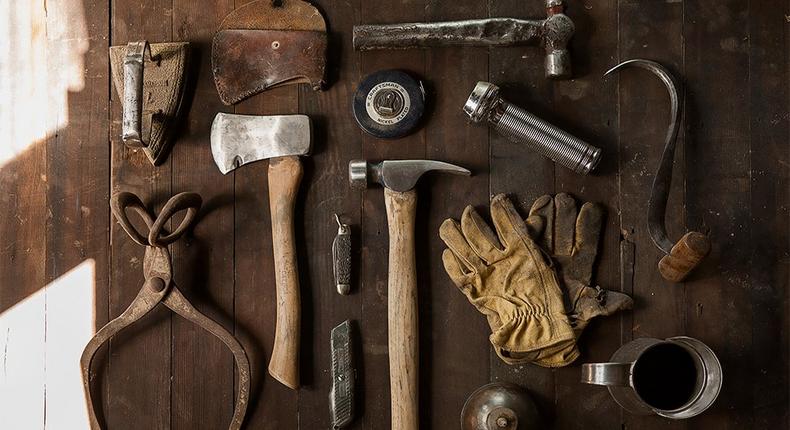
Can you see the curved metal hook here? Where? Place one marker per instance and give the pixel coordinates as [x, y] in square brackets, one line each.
[663, 179]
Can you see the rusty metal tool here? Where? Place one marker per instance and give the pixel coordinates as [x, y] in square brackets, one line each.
[500, 406]
[240, 139]
[150, 80]
[160, 288]
[399, 177]
[682, 257]
[341, 395]
[520, 126]
[341, 257]
[553, 33]
[266, 44]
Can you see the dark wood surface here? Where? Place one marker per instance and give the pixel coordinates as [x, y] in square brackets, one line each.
[732, 179]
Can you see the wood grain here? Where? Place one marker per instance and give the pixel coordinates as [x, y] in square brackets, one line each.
[134, 384]
[644, 114]
[402, 319]
[203, 263]
[586, 106]
[327, 192]
[450, 325]
[374, 238]
[518, 172]
[285, 175]
[730, 180]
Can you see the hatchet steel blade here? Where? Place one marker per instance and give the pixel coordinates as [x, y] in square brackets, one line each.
[240, 139]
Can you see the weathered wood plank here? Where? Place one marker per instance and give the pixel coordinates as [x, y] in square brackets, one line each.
[326, 192]
[203, 393]
[374, 220]
[23, 211]
[586, 106]
[78, 186]
[653, 31]
[137, 385]
[455, 345]
[770, 202]
[719, 303]
[518, 172]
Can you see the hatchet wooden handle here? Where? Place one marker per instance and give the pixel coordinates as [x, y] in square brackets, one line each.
[684, 257]
[285, 173]
[402, 309]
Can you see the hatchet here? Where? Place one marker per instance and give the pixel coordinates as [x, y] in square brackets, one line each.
[241, 139]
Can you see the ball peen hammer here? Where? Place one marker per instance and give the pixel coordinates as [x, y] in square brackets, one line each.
[240, 139]
[398, 177]
[553, 32]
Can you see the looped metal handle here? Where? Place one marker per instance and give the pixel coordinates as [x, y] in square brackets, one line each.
[124, 200]
[190, 202]
[609, 374]
[133, 65]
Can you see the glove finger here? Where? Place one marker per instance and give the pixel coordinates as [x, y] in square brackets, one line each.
[535, 226]
[564, 224]
[544, 208]
[450, 232]
[617, 301]
[508, 223]
[588, 234]
[480, 236]
[455, 270]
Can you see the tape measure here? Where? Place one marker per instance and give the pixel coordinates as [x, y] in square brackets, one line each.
[389, 104]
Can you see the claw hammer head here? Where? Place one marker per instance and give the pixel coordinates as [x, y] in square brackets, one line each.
[397, 175]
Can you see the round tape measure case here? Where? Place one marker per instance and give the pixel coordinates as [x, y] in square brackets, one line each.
[389, 104]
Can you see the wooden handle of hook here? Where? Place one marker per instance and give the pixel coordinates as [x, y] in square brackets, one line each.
[285, 173]
[402, 309]
[687, 253]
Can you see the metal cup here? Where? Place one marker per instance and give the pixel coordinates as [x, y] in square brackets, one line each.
[676, 378]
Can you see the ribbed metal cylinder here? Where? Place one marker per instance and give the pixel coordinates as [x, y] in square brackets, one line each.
[520, 126]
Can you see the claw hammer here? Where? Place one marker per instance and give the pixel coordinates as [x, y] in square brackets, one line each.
[399, 178]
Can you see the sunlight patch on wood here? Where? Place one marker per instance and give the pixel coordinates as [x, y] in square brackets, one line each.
[42, 45]
[41, 340]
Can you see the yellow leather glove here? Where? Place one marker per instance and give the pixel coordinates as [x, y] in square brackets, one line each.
[509, 279]
[571, 238]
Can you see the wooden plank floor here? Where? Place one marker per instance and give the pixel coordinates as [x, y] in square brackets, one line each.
[732, 179]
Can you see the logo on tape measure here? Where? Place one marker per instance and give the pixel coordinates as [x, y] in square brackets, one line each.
[387, 103]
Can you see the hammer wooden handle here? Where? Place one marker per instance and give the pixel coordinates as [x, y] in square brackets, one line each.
[402, 309]
[285, 173]
[684, 257]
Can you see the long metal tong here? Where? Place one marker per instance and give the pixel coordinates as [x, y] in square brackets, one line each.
[159, 288]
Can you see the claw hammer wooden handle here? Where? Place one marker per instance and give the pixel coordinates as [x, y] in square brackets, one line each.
[402, 309]
[285, 173]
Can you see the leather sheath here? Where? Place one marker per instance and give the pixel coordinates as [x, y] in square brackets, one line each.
[247, 62]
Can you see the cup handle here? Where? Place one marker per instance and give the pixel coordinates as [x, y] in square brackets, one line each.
[610, 374]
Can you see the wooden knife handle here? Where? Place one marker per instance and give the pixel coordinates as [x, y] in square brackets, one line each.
[402, 309]
[285, 173]
[684, 257]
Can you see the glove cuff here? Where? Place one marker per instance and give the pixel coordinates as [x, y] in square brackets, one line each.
[527, 333]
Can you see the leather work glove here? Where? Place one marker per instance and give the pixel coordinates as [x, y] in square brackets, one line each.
[571, 238]
[509, 279]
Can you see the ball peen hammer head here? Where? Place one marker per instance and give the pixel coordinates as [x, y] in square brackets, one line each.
[558, 29]
[241, 139]
[397, 175]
